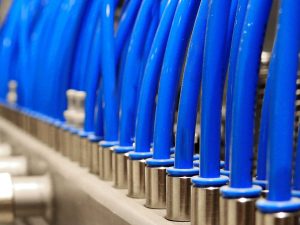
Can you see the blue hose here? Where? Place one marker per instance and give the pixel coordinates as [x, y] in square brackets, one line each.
[189, 97]
[237, 32]
[133, 71]
[212, 88]
[180, 33]
[282, 109]
[296, 178]
[149, 86]
[244, 92]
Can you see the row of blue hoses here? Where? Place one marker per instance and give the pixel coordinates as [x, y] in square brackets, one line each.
[131, 74]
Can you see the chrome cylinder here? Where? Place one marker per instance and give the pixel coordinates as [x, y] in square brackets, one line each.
[205, 206]
[94, 166]
[136, 178]
[6, 199]
[120, 170]
[75, 149]
[105, 163]
[280, 218]
[14, 165]
[56, 138]
[178, 199]
[51, 138]
[155, 187]
[84, 152]
[239, 211]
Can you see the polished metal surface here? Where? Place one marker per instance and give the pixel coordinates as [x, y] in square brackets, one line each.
[237, 211]
[136, 178]
[281, 218]
[6, 199]
[75, 149]
[94, 166]
[32, 196]
[84, 152]
[14, 165]
[68, 143]
[5, 149]
[205, 206]
[119, 170]
[155, 187]
[105, 163]
[178, 198]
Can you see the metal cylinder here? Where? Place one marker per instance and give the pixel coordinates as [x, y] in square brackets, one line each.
[6, 199]
[136, 178]
[5, 150]
[83, 152]
[105, 163]
[75, 149]
[155, 187]
[280, 218]
[14, 165]
[120, 170]
[178, 199]
[239, 211]
[205, 206]
[25, 197]
[94, 166]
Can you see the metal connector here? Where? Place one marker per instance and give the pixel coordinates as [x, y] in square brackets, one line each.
[119, 166]
[94, 149]
[240, 211]
[205, 206]
[105, 163]
[280, 218]
[136, 178]
[178, 199]
[84, 153]
[155, 187]
[5, 150]
[14, 165]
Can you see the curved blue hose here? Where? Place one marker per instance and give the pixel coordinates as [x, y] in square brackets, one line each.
[108, 69]
[189, 97]
[296, 180]
[92, 79]
[146, 106]
[84, 42]
[237, 32]
[243, 100]
[214, 74]
[168, 88]
[99, 123]
[126, 25]
[133, 71]
[282, 102]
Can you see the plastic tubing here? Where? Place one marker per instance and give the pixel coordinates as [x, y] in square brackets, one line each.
[126, 25]
[212, 88]
[296, 180]
[243, 100]
[189, 97]
[133, 72]
[92, 79]
[170, 76]
[84, 44]
[237, 32]
[8, 43]
[108, 69]
[282, 102]
[149, 86]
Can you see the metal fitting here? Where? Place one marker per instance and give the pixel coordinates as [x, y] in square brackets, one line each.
[84, 155]
[94, 166]
[280, 218]
[105, 163]
[119, 166]
[75, 148]
[239, 211]
[5, 149]
[14, 165]
[205, 206]
[155, 187]
[25, 197]
[178, 198]
[136, 178]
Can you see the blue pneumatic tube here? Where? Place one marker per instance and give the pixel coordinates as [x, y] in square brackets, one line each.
[296, 177]
[108, 69]
[126, 25]
[173, 62]
[189, 97]
[244, 89]
[235, 42]
[133, 71]
[214, 74]
[282, 109]
[149, 86]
